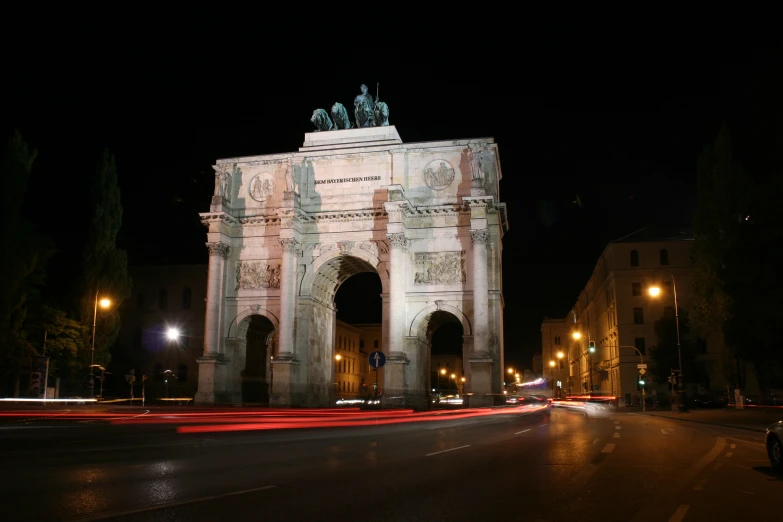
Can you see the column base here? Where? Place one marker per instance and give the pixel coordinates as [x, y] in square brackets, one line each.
[285, 390]
[212, 380]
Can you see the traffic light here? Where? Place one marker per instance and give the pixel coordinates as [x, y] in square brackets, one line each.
[591, 347]
[642, 382]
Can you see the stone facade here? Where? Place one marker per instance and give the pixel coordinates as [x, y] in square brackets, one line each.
[285, 230]
[616, 311]
[164, 296]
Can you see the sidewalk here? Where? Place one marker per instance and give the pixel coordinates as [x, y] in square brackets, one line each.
[751, 419]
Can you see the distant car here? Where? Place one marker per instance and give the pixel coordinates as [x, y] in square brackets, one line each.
[774, 439]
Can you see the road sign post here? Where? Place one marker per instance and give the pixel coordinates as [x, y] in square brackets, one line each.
[376, 359]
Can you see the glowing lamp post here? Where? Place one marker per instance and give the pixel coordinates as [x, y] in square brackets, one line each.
[105, 303]
[655, 291]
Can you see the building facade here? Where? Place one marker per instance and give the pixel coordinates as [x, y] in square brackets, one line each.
[163, 297]
[616, 312]
[285, 230]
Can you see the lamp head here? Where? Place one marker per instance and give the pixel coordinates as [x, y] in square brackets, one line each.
[655, 291]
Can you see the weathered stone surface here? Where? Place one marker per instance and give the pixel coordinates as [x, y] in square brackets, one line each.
[362, 201]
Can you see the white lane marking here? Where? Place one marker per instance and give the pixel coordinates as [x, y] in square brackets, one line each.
[583, 476]
[749, 442]
[128, 418]
[446, 451]
[595, 441]
[729, 454]
[156, 507]
[733, 446]
[679, 515]
[665, 432]
[608, 448]
[616, 435]
[523, 431]
[618, 427]
[542, 425]
[617, 422]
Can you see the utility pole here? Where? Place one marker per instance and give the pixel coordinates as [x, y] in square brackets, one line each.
[46, 372]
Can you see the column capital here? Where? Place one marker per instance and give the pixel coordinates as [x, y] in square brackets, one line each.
[398, 240]
[480, 236]
[290, 244]
[218, 249]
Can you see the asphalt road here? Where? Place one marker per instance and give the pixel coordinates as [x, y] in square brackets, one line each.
[524, 464]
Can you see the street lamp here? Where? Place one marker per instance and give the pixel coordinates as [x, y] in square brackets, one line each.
[576, 335]
[463, 386]
[655, 291]
[172, 335]
[442, 372]
[454, 376]
[105, 303]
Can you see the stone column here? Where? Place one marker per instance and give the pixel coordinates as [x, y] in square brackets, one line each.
[217, 254]
[285, 345]
[480, 240]
[399, 247]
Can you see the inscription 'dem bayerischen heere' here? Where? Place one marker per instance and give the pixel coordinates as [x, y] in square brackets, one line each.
[347, 180]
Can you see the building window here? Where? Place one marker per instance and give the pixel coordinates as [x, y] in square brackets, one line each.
[163, 300]
[361, 344]
[557, 339]
[182, 373]
[187, 296]
[640, 344]
[634, 258]
[636, 289]
[375, 343]
[668, 312]
[638, 316]
[664, 256]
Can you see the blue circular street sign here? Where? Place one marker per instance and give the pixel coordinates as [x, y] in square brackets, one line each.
[377, 359]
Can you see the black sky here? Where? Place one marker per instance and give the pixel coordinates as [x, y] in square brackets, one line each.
[619, 126]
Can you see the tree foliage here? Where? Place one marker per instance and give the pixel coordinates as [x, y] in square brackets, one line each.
[22, 267]
[737, 257]
[665, 355]
[105, 265]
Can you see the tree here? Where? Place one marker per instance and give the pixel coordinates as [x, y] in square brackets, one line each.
[105, 265]
[737, 259]
[665, 355]
[722, 203]
[22, 267]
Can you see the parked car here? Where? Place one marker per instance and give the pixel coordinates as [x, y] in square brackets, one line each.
[774, 439]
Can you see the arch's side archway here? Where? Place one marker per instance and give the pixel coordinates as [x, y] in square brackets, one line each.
[316, 324]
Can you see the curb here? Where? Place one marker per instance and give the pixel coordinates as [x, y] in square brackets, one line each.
[717, 424]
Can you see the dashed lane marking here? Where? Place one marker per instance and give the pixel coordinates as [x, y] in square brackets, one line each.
[729, 454]
[679, 515]
[446, 451]
[733, 446]
[608, 448]
[616, 435]
[618, 427]
[157, 507]
[523, 431]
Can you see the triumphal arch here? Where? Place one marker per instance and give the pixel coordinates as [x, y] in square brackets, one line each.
[286, 230]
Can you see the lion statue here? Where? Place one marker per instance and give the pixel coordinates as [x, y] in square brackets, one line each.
[321, 120]
[340, 116]
[381, 114]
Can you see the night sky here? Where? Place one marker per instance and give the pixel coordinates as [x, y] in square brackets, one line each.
[617, 129]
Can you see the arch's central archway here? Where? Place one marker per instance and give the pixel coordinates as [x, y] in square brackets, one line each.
[255, 382]
[286, 230]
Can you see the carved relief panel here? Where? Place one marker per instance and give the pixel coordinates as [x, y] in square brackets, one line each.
[439, 268]
[253, 275]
